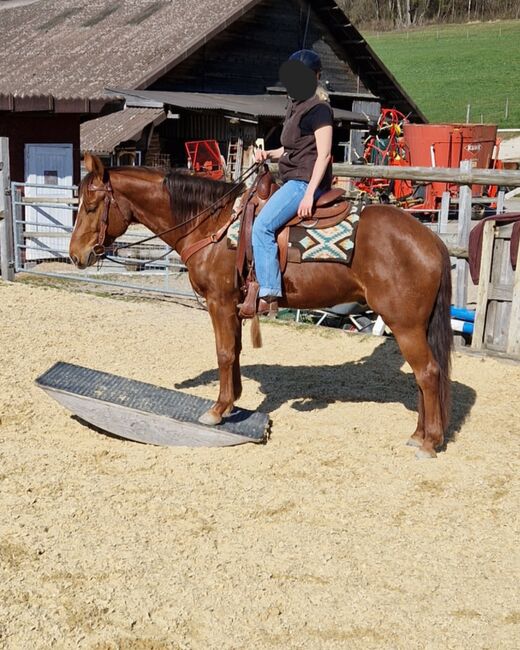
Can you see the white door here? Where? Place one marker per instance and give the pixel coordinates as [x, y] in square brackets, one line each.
[50, 167]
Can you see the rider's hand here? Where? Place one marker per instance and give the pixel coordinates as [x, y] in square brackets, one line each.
[261, 155]
[306, 205]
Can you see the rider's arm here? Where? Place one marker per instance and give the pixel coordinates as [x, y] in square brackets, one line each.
[275, 154]
[324, 146]
[272, 154]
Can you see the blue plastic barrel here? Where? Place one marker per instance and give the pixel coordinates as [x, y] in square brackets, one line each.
[463, 314]
[461, 326]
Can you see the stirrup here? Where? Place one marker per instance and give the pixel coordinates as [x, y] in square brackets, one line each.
[247, 309]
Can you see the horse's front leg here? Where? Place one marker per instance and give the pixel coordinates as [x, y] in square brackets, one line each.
[228, 338]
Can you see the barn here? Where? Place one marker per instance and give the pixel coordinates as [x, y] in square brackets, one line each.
[179, 70]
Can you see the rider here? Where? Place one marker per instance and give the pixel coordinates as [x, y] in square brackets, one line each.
[305, 165]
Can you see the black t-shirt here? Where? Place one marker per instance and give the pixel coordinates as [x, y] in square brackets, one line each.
[320, 115]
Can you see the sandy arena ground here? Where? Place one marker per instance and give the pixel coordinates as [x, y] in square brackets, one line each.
[330, 536]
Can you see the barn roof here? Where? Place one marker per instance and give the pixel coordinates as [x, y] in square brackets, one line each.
[72, 50]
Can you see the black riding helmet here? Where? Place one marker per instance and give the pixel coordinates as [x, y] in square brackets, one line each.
[309, 58]
[299, 74]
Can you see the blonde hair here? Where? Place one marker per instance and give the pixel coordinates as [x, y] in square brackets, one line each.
[322, 94]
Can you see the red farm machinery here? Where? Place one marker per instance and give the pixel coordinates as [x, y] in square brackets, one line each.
[205, 159]
[395, 141]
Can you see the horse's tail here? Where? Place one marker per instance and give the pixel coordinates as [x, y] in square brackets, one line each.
[440, 337]
[256, 334]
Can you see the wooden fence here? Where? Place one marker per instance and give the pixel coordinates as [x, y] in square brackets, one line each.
[497, 318]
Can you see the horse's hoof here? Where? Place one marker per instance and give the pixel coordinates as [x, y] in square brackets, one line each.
[422, 454]
[413, 442]
[210, 418]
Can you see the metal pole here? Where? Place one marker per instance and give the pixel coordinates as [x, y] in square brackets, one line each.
[6, 220]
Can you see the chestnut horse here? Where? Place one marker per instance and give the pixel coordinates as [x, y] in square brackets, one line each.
[400, 269]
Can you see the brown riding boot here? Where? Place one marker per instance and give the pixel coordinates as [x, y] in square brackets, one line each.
[267, 306]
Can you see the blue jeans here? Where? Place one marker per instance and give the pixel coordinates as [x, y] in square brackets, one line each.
[280, 208]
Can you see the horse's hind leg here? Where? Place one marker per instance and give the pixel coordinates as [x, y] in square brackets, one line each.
[416, 439]
[429, 433]
[228, 338]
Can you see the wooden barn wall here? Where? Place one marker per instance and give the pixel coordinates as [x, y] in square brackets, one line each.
[357, 139]
[246, 57]
[192, 125]
[38, 128]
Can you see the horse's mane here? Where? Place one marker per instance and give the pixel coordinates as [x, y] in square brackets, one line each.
[190, 194]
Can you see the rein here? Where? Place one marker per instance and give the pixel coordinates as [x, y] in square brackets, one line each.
[100, 250]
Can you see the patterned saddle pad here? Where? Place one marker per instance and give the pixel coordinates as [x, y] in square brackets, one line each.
[334, 244]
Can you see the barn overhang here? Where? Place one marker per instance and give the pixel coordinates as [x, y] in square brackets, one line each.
[105, 134]
[250, 107]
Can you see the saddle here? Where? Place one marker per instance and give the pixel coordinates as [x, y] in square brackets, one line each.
[330, 209]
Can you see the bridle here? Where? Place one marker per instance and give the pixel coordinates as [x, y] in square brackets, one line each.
[99, 249]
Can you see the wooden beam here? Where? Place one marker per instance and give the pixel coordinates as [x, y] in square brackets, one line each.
[486, 261]
[6, 220]
[452, 175]
[463, 228]
[513, 339]
[445, 211]
[51, 200]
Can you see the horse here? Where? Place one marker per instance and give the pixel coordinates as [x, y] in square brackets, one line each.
[400, 268]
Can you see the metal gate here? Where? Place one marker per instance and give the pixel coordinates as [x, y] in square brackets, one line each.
[41, 229]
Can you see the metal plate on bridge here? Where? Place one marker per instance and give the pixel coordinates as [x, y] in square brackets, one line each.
[146, 413]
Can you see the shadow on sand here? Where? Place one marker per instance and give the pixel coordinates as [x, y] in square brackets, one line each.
[374, 378]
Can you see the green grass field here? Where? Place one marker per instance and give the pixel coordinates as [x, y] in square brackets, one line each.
[445, 68]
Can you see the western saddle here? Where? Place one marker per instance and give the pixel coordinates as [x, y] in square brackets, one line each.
[330, 209]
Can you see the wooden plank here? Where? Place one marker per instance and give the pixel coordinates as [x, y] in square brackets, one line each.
[503, 278]
[445, 209]
[479, 200]
[501, 202]
[463, 228]
[513, 340]
[6, 222]
[450, 239]
[456, 176]
[143, 427]
[504, 231]
[458, 252]
[501, 292]
[145, 412]
[51, 200]
[30, 234]
[483, 285]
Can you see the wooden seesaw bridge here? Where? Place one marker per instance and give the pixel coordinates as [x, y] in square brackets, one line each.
[146, 413]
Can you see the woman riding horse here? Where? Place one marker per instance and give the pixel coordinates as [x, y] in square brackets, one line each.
[399, 267]
[305, 165]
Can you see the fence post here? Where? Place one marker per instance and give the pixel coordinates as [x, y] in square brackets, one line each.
[6, 222]
[445, 211]
[501, 202]
[463, 228]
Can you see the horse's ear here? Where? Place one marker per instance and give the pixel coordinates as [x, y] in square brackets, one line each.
[93, 164]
